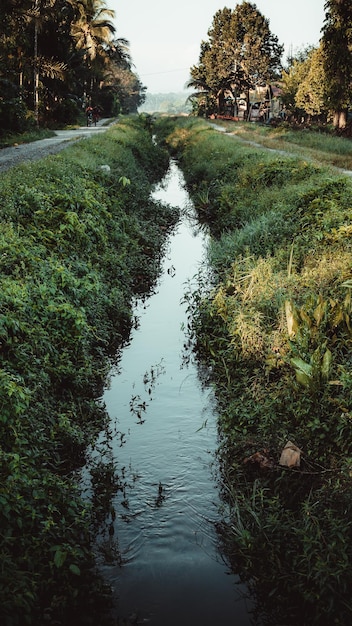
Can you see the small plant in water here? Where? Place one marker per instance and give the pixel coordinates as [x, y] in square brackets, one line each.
[161, 495]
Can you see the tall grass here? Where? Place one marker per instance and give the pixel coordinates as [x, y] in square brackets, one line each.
[26, 137]
[274, 328]
[318, 146]
[76, 245]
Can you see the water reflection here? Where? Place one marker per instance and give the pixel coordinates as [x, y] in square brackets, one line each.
[167, 569]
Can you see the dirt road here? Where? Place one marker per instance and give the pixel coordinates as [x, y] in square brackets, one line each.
[9, 157]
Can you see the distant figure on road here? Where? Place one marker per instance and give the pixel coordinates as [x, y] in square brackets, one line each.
[95, 115]
[89, 114]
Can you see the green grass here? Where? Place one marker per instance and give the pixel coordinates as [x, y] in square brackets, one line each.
[13, 139]
[317, 146]
[76, 246]
[272, 322]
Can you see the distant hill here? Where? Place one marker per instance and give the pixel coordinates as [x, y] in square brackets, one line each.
[166, 103]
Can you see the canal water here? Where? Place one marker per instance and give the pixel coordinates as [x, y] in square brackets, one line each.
[168, 570]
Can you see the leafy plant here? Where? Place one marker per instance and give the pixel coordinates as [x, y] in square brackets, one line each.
[271, 327]
[76, 246]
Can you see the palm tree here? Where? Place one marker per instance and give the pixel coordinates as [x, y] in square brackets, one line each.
[93, 28]
[119, 52]
[93, 33]
[39, 8]
[39, 13]
[203, 95]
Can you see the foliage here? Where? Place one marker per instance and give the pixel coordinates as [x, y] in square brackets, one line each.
[241, 53]
[66, 112]
[307, 89]
[310, 95]
[13, 112]
[76, 246]
[71, 47]
[272, 323]
[337, 50]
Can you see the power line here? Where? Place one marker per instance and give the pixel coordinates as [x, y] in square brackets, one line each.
[182, 69]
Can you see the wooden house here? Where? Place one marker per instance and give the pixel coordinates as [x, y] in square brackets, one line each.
[264, 104]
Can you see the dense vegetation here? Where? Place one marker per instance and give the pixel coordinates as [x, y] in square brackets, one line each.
[241, 57]
[240, 54]
[58, 56]
[273, 324]
[77, 242]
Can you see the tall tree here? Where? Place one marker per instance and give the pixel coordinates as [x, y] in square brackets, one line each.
[38, 15]
[13, 39]
[52, 52]
[202, 98]
[93, 33]
[303, 85]
[241, 53]
[310, 95]
[94, 27]
[337, 50]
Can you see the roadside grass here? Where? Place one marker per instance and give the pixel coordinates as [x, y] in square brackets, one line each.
[272, 323]
[35, 134]
[77, 245]
[317, 146]
[29, 136]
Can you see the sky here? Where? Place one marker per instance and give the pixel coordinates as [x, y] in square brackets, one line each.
[165, 35]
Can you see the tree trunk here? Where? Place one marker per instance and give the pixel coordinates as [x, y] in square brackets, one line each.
[220, 101]
[248, 105]
[36, 69]
[340, 119]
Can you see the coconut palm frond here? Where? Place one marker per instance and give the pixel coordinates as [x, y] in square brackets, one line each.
[52, 68]
[196, 83]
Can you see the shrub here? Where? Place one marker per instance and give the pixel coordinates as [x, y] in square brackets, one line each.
[13, 112]
[75, 246]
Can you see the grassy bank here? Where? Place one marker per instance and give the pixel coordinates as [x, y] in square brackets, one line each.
[273, 324]
[318, 146]
[33, 135]
[77, 243]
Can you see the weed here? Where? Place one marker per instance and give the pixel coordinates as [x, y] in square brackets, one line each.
[76, 246]
[272, 332]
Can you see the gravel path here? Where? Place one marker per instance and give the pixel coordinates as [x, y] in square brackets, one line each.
[9, 157]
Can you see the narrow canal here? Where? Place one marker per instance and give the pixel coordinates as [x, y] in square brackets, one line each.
[169, 571]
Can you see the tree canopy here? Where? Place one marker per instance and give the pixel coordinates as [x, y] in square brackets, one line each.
[311, 92]
[337, 50]
[58, 55]
[303, 85]
[241, 53]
